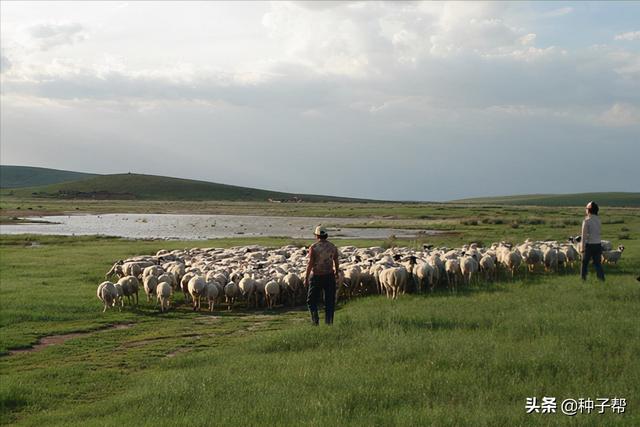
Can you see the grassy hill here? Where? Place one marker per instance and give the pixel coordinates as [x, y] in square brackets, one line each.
[27, 176]
[604, 199]
[151, 187]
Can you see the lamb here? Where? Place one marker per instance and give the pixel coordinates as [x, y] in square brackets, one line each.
[107, 294]
[612, 257]
[163, 294]
[196, 287]
[271, 292]
[130, 288]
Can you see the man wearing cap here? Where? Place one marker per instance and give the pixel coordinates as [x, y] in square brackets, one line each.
[590, 244]
[323, 262]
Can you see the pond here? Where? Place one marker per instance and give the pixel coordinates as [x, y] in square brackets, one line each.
[201, 227]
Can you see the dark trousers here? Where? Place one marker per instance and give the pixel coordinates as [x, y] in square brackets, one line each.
[318, 285]
[592, 251]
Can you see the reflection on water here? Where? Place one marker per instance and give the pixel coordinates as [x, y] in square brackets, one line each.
[197, 227]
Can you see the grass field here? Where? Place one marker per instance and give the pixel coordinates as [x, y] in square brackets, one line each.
[442, 360]
[579, 199]
[151, 187]
[26, 176]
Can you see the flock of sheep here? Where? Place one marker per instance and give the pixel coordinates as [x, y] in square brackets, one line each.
[265, 277]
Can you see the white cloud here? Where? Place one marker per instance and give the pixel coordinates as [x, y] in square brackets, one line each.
[560, 12]
[628, 36]
[266, 83]
[5, 64]
[621, 114]
[49, 35]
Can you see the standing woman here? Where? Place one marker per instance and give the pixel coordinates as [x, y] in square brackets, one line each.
[590, 245]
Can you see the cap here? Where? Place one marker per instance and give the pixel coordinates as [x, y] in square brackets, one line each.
[320, 231]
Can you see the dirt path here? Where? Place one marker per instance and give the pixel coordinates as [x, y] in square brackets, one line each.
[50, 340]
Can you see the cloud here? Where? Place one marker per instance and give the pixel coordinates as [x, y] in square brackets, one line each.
[628, 36]
[559, 12]
[47, 36]
[621, 114]
[394, 85]
[5, 64]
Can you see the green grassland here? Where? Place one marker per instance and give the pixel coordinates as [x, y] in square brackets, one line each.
[27, 176]
[441, 359]
[579, 199]
[150, 187]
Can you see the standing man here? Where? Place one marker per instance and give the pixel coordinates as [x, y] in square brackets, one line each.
[323, 262]
[590, 244]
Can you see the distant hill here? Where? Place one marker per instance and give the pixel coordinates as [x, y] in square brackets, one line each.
[579, 199]
[27, 176]
[151, 187]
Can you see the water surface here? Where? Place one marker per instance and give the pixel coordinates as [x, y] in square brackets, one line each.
[200, 227]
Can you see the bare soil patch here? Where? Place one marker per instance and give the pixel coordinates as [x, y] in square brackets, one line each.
[50, 340]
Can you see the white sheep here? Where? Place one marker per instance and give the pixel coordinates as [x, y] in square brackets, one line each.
[612, 257]
[130, 287]
[196, 287]
[452, 270]
[108, 294]
[271, 292]
[248, 289]
[163, 294]
[231, 292]
[468, 267]
[211, 291]
[152, 270]
[488, 267]
[149, 283]
[184, 285]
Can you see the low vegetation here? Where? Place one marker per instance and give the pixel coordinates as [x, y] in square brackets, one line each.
[469, 358]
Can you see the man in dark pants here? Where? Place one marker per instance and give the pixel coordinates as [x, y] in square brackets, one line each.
[323, 262]
[590, 244]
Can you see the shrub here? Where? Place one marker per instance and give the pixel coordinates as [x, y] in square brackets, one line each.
[532, 221]
[390, 242]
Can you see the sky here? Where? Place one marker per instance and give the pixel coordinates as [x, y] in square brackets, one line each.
[386, 100]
